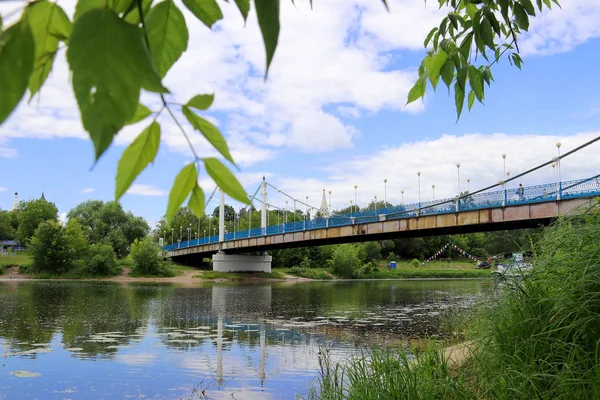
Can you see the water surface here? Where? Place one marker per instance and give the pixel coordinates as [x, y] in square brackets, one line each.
[95, 340]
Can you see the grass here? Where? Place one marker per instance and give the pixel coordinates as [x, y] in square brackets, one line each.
[311, 273]
[415, 273]
[539, 340]
[19, 259]
[436, 265]
[391, 374]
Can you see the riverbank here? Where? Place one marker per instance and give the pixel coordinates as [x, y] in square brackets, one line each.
[188, 275]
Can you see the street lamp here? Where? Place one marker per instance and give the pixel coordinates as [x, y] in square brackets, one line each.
[468, 185]
[504, 161]
[458, 177]
[330, 202]
[181, 232]
[419, 179]
[351, 207]
[554, 172]
[402, 192]
[432, 192]
[306, 207]
[355, 202]
[286, 209]
[385, 192]
[375, 205]
[172, 232]
[559, 171]
[164, 233]
[507, 176]
[189, 233]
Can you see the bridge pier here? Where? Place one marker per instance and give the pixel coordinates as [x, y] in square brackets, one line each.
[241, 263]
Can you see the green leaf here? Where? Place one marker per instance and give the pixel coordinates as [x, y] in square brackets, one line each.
[136, 158]
[493, 21]
[459, 99]
[84, 6]
[167, 35]
[447, 72]
[109, 62]
[225, 179]
[209, 131]
[461, 77]
[267, 12]
[521, 16]
[504, 9]
[196, 202]
[1, 25]
[48, 22]
[201, 101]
[517, 60]
[185, 181]
[453, 20]
[141, 112]
[528, 6]
[476, 82]
[485, 30]
[429, 36]
[471, 99]
[244, 7]
[435, 64]
[134, 15]
[487, 75]
[17, 53]
[207, 11]
[465, 46]
[417, 91]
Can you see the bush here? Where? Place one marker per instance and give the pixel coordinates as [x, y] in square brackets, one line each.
[344, 261]
[100, 260]
[391, 256]
[148, 258]
[415, 263]
[2, 270]
[309, 273]
[52, 248]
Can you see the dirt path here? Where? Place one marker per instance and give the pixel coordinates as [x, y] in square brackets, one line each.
[12, 272]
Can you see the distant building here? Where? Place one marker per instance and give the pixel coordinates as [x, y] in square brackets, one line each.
[324, 209]
[16, 201]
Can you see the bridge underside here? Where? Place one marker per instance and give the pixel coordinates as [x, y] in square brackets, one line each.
[487, 220]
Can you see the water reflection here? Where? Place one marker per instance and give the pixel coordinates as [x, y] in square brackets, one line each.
[100, 339]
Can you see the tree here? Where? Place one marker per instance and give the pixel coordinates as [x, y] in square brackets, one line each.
[99, 67]
[229, 213]
[148, 259]
[345, 261]
[101, 260]
[52, 248]
[31, 214]
[6, 229]
[109, 223]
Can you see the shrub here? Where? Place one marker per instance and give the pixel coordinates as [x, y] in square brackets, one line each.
[415, 263]
[100, 260]
[148, 258]
[391, 256]
[2, 270]
[344, 261]
[51, 248]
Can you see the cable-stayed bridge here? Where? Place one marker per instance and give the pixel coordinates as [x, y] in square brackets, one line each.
[492, 208]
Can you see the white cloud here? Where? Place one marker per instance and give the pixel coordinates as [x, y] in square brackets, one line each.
[62, 218]
[88, 190]
[351, 112]
[478, 154]
[2, 189]
[146, 190]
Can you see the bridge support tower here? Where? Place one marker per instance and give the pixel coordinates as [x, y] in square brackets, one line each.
[241, 263]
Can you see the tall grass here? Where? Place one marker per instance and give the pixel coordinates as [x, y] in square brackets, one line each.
[391, 374]
[539, 340]
[543, 340]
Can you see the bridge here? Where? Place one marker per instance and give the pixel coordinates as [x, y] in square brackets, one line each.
[484, 210]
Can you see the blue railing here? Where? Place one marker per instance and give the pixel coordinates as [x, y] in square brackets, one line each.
[510, 197]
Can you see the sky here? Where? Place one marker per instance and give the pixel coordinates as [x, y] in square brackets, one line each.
[331, 114]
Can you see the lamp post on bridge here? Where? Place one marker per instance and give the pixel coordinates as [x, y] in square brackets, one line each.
[205, 233]
[384, 192]
[419, 179]
[329, 202]
[458, 178]
[286, 209]
[433, 192]
[468, 185]
[402, 193]
[180, 233]
[502, 181]
[189, 234]
[351, 207]
[164, 233]
[172, 233]
[507, 176]
[375, 204]
[558, 144]
[355, 188]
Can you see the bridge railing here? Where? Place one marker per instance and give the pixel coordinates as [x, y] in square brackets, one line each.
[492, 199]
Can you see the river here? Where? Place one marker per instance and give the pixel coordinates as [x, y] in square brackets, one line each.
[100, 340]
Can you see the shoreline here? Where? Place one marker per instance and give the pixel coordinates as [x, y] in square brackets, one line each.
[190, 277]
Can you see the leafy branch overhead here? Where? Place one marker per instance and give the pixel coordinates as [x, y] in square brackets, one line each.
[119, 49]
[473, 37]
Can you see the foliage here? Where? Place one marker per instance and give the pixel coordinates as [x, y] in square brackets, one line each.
[101, 260]
[2, 269]
[6, 229]
[372, 251]
[391, 374]
[17, 259]
[229, 213]
[345, 261]
[148, 258]
[471, 32]
[543, 337]
[109, 223]
[415, 263]
[232, 276]
[31, 214]
[52, 248]
[310, 273]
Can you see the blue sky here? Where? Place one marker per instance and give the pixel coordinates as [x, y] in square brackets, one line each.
[332, 113]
